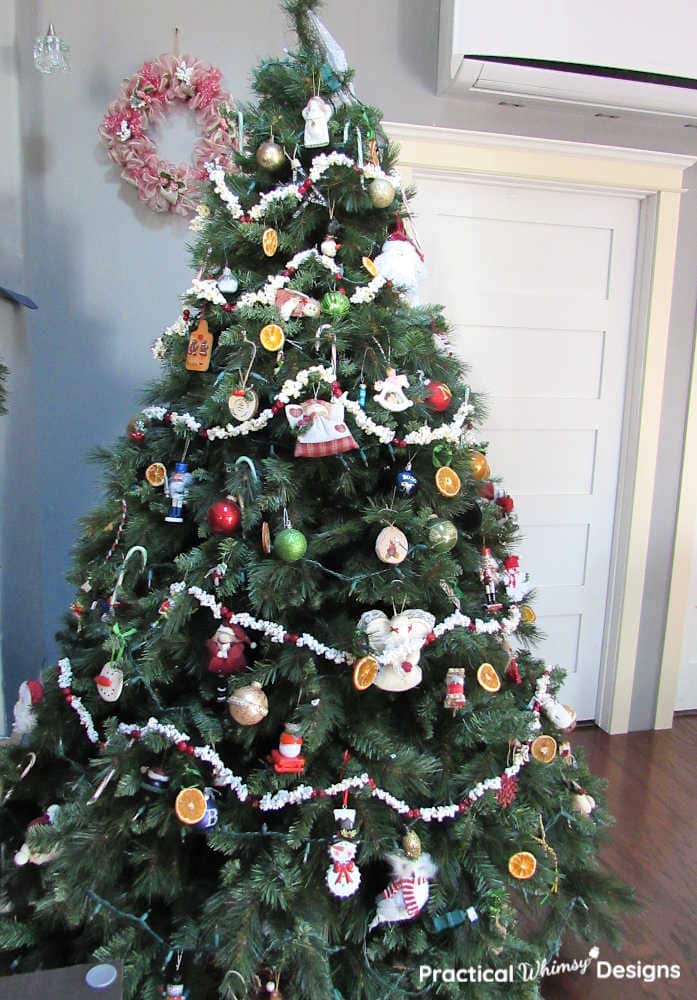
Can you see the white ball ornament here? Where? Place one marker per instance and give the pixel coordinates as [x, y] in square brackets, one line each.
[381, 192]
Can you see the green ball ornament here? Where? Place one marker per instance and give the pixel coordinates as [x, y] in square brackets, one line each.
[270, 155]
[381, 192]
[290, 545]
[443, 535]
[335, 304]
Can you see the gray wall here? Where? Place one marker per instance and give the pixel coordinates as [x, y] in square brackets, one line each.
[107, 272]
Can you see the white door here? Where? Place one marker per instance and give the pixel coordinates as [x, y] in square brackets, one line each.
[537, 284]
[686, 698]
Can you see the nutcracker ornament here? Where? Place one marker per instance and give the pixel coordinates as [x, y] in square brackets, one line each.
[514, 579]
[390, 392]
[288, 758]
[455, 688]
[227, 650]
[490, 576]
[317, 114]
[343, 875]
[177, 489]
[408, 892]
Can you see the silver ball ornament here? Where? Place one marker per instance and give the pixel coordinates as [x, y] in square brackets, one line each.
[270, 155]
[381, 192]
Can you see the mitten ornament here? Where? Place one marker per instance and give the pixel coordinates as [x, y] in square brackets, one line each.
[408, 892]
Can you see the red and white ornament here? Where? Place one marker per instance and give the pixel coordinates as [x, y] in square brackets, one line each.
[343, 875]
[490, 576]
[402, 263]
[26, 854]
[24, 714]
[455, 688]
[408, 892]
[227, 650]
[322, 430]
[390, 392]
[288, 759]
[515, 580]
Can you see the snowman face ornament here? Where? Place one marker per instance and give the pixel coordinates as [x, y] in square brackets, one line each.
[109, 682]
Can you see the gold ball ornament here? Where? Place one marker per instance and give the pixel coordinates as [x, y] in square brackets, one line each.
[411, 845]
[381, 192]
[480, 466]
[248, 705]
[270, 155]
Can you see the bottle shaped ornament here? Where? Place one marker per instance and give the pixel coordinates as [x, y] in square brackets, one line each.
[227, 282]
[317, 113]
[343, 875]
[490, 576]
[177, 488]
[455, 688]
[198, 353]
[390, 392]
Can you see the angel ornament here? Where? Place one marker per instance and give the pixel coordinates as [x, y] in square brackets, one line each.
[390, 392]
[317, 114]
[408, 892]
[320, 427]
[396, 643]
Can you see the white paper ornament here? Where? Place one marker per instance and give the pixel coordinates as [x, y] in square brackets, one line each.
[390, 392]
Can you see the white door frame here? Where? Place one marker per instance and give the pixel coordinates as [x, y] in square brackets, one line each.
[655, 179]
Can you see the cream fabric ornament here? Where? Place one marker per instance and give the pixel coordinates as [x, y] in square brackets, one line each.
[391, 546]
[317, 114]
[343, 875]
[408, 892]
[396, 643]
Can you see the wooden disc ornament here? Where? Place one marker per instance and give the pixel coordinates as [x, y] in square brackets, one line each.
[248, 705]
[391, 546]
[243, 404]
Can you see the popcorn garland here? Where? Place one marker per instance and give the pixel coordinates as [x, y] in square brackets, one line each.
[320, 165]
[180, 328]
[223, 777]
[207, 288]
[277, 633]
[291, 389]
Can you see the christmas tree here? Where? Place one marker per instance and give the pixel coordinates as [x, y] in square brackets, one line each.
[297, 744]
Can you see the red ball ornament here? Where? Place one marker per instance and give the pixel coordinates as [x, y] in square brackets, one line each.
[224, 517]
[439, 397]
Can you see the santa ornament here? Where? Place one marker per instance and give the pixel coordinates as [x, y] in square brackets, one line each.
[514, 579]
[24, 715]
[390, 392]
[321, 428]
[396, 644]
[317, 114]
[455, 688]
[293, 304]
[227, 650]
[26, 854]
[401, 262]
[343, 875]
[408, 892]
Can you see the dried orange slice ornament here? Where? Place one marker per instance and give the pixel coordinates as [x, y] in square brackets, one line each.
[447, 481]
[190, 806]
[370, 266]
[365, 670]
[265, 538]
[488, 678]
[269, 242]
[527, 615]
[156, 474]
[272, 337]
[522, 865]
[544, 749]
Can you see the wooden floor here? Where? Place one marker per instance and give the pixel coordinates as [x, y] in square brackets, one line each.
[653, 796]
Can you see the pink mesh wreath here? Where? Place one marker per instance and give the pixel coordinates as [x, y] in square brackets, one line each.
[142, 102]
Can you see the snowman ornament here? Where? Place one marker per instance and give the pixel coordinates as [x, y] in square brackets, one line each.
[343, 875]
[397, 643]
[317, 114]
[408, 892]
